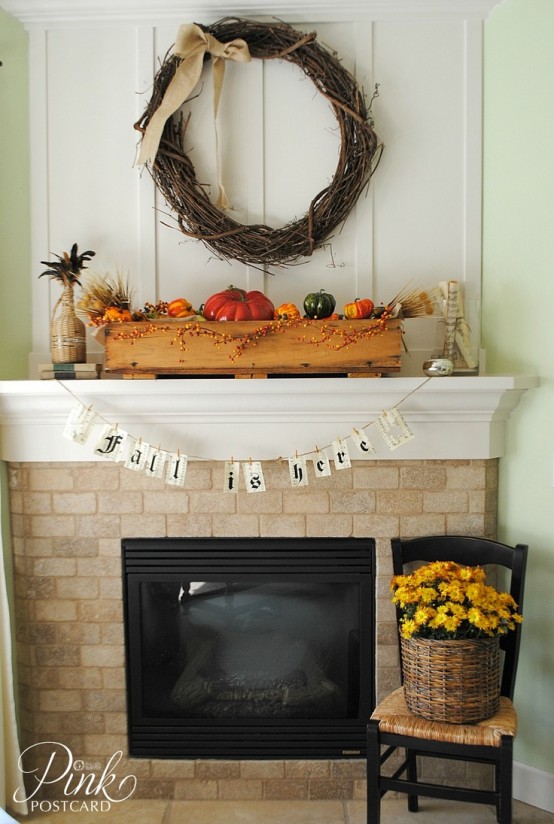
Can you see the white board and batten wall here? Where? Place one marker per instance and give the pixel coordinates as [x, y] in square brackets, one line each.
[419, 221]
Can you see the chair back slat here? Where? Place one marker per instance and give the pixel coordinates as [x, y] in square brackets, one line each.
[471, 551]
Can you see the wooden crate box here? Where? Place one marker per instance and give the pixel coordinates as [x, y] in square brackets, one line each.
[253, 348]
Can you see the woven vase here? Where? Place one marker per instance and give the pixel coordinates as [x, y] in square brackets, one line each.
[453, 681]
[68, 341]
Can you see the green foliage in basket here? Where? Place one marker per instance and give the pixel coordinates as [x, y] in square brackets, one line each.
[446, 601]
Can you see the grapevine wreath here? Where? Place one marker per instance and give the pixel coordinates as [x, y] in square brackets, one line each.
[360, 150]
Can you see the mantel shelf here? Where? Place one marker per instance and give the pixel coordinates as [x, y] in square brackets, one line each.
[216, 419]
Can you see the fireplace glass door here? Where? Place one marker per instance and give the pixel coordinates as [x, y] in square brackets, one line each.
[249, 648]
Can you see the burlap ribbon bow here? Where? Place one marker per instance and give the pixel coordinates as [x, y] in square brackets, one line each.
[191, 45]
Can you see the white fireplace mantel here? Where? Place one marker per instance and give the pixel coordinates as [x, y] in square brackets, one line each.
[217, 419]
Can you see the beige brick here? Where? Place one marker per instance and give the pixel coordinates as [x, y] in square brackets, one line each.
[150, 788]
[53, 655]
[287, 789]
[295, 501]
[101, 567]
[111, 589]
[262, 769]
[376, 477]
[74, 503]
[192, 525]
[269, 502]
[212, 502]
[76, 633]
[112, 634]
[332, 526]
[53, 700]
[43, 634]
[466, 477]
[36, 503]
[217, 769]
[323, 789]
[277, 526]
[115, 723]
[109, 547]
[452, 501]
[104, 700]
[169, 500]
[101, 745]
[196, 789]
[102, 655]
[89, 678]
[77, 588]
[98, 526]
[232, 526]
[55, 566]
[60, 478]
[75, 548]
[349, 768]
[173, 769]
[83, 722]
[465, 524]
[301, 768]
[113, 678]
[411, 526]
[98, 476]
[426, 476]
[142, 526]
[55, 526]
[101, 611]
[32, 587]
[240, 789]
[374, 526]
[399, 502]
[55, 610]
[359, 501]
[120, 503]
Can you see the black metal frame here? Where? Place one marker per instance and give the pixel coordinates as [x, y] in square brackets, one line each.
[468, 551]
[286, 559]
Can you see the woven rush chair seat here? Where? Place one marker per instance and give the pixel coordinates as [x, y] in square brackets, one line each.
[395, 717]
[394, 729]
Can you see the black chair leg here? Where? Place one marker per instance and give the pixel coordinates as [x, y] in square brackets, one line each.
[373, 773]
[411, 773]
[504, 785]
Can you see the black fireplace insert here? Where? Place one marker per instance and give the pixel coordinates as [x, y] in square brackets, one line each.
[249, 647]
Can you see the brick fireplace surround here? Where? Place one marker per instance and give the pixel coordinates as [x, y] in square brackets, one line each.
[67, 521]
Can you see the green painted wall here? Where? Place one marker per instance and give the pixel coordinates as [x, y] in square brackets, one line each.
[518, 329]
[15, 289]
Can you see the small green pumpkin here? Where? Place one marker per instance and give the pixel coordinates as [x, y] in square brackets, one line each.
[319, 305]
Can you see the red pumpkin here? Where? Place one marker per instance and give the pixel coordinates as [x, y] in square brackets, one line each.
[236, 304]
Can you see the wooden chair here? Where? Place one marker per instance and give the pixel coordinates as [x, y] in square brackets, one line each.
[393, 726]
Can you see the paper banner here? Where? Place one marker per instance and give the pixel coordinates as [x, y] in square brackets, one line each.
[155, 462]
[231, 476]
[322, 466]
[297, 471]
[341, 456]
[79, 423]
[112, 443]
[176, 469]
[362, 442]
[137, 455]
[254, 476]
[393, 428]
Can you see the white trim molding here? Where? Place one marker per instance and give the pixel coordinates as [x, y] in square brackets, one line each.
[39, 13]
[534, 786]
[215, 419]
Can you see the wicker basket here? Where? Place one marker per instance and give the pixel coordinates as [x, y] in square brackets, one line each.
[453, 681]
[68, 342]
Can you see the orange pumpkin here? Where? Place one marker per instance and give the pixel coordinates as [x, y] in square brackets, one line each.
[180, 308]
[359, 308]
[116, 314]
[286, 311]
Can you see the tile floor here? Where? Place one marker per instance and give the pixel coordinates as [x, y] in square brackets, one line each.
[432, 811]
